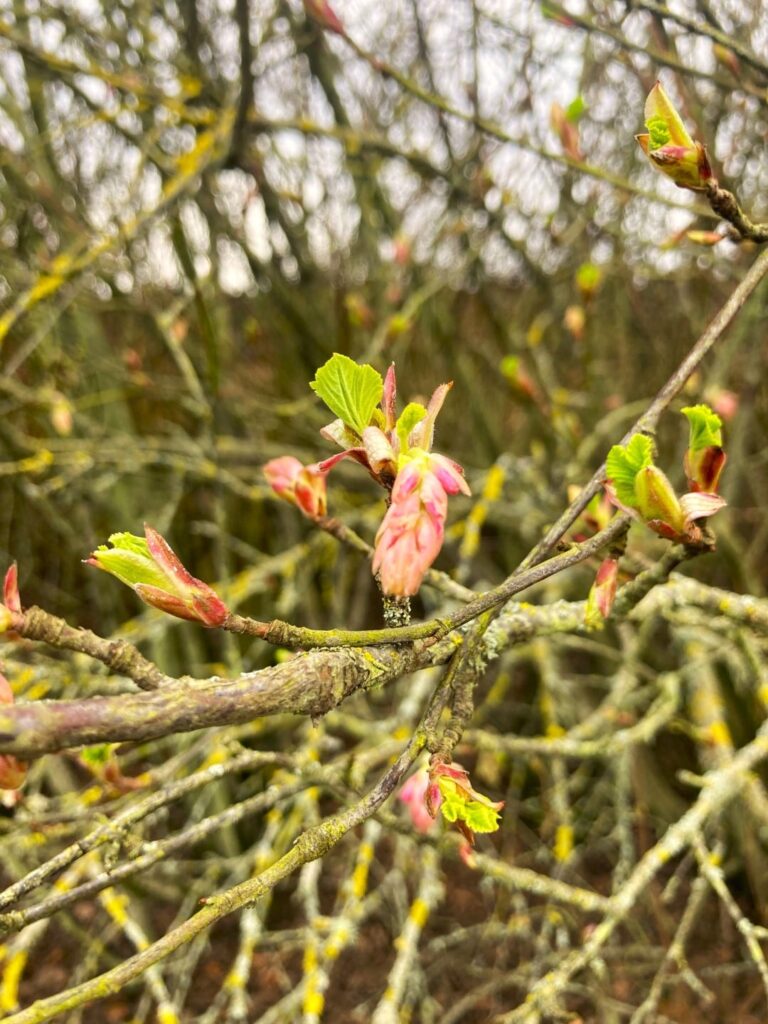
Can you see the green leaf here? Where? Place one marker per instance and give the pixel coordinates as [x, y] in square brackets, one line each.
[478, 813]
[349, 390]
[481, 817]
[623, 464]
[588, 277]
[663, 122]
[575, 109]
[412, 414]
[452, 806]
[98, 754]
[658, 130]
[706, 427]
[130, 560]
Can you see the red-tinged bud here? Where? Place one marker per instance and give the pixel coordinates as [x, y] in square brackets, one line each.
[414, 795]
[708, 238]
[466, 854]
[303, 486]
[703, 468]
[566, 131]
[602, 594]
[669, 146]
[728, 59]
[12, 771]
[388, 398]
[516, 374]
[325, 16]
[433, 798]
[152, 569]
[11, 598]
[359, 312]
[705, 457]
[557, 15]
[401, 252]
[10, 610]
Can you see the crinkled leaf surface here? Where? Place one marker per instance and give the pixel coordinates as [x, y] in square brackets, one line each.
[350, 390]
[706, 427]
[481, 817]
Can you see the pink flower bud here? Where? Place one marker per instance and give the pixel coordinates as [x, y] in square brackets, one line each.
[603, 593]
[411, 533]
[303, 486]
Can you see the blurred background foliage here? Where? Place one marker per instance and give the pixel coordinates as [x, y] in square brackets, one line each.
[201, 200]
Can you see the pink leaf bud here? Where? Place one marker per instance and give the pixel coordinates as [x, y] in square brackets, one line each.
[603, 592]
[11, 598]
[10, 610]
[669, 146]
[152, 569]
[12, 771]
[388, 398]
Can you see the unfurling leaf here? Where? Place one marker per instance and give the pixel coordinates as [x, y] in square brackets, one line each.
[669, 146]
[459, 802]
[351, 391]
[602, 594]
[706, 427]
[705, 458]
[623, 464]
[411, 415]
[152, 569]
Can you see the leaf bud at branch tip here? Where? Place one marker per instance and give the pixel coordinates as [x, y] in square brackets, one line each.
[152, 569]
[669, 147]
